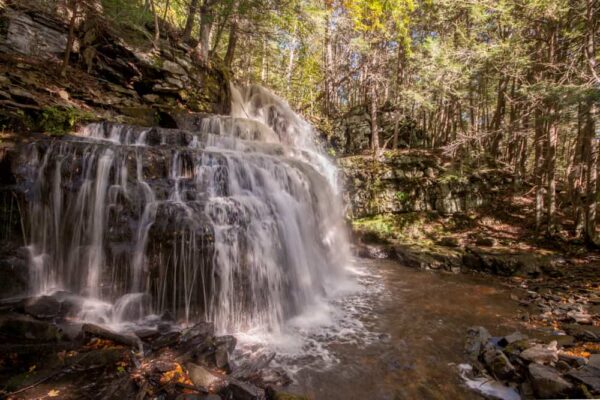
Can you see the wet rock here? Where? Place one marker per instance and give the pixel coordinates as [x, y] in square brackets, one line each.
[512, 338]
[222, 357]
[572, 360]
[224, 346]
[562, 366]
[43, 307]
[201, 329]
[20, 327]
[541, 354]
[228, 342]
[244, 391]
[477, 337]
[514, 349]
[588, 333]
[107, 357]
[166, 340]
[497, 363]
[547, 382]
[588, 375]
[103, 333]
[146, 333]
[202, 377]
[253, 366]
[594, 361]
[561, 340]
[275, 376]
[373, 251]
[273, 393]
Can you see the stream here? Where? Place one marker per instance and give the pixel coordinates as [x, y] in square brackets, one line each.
[413, 332]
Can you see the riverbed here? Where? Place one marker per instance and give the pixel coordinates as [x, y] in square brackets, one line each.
[414, 330]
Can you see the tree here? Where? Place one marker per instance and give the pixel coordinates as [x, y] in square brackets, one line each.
[74, 9]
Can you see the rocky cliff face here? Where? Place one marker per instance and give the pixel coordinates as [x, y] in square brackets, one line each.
[351, 132]
[113, 75]
[414, 181]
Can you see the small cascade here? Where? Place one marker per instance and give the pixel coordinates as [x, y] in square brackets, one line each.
[233, 219]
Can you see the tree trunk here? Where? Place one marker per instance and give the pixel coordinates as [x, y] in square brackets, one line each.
[263, 63]
[551, 143]
[189, 22]
[156, 23]
[328, 65]
[590, 173]
[290, 67]
[206, 24]
[233, 36]
[71, 38]
[539, 169]
[372, 82]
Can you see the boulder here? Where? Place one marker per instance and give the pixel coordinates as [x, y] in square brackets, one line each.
[239, 390]
[43, 307]
[165, 340]
[572, 360]
[512, 338]
[202, 377]
[588, 375]
[541, 354]
[201, 329]
[222, 357]
[588, 333]
[374, 251]
[547, 382]
[477, 338]
[497, 363]
[227, 341]
[19, 327]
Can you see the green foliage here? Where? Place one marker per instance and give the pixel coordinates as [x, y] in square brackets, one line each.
[59, 121]
[131, 12]
[401, 196]
[382, 18]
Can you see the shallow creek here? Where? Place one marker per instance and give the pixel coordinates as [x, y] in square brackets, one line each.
[415, 324]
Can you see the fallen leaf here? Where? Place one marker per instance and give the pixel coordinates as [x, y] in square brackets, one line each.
[53, 393]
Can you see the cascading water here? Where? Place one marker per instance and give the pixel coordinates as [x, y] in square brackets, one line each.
[233, 219]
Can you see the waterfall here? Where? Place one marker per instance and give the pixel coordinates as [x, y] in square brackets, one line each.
[234, 219]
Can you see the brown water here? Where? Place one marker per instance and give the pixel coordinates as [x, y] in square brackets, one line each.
[422, 318]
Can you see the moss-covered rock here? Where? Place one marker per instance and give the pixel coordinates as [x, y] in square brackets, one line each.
[415, 181]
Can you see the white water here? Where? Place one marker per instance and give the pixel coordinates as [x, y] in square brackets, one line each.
[235, 220]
